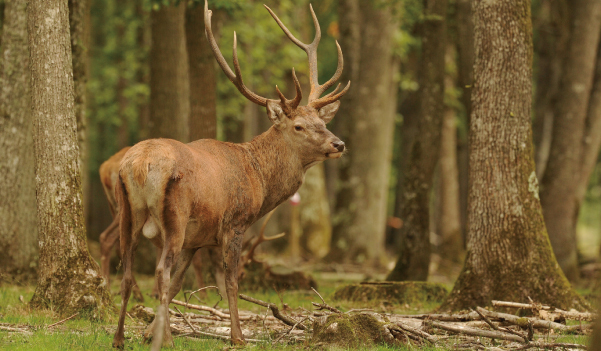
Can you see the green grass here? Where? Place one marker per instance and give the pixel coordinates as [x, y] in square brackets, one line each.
[83, 334]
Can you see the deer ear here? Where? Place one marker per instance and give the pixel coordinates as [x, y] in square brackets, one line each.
[329, 111]
[275, 112]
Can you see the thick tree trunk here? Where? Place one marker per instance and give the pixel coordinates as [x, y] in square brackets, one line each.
[508, 248]
[18, 227]
[68, 279]
[169, 83]
[79, 21]
[562, 175]
[367, 33]
[465, 77]
[203, 83]
[414, 256]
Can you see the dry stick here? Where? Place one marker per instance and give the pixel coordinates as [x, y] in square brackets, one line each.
[15, 330]
[198, 332]
[475, 332]
[583, 316]
[495, 327]
[464, 317]
[544, 345]
[62, 321]
[187, 298]
[289, 331]
[417, 332]
[536, 323]
[202, 308]
[274, 309]
[324, 305]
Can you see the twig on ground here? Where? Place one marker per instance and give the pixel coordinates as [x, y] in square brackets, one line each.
[507, 330]
[324, 305]
[62, 321]
[573, 315]
[202, 333]
[15, 330]
[417, 332]
[474, 332]
[202, 308]
[188, 297]
[289, 331]
[536, 323]
[274, 309]
[445, 317]
[545, 345]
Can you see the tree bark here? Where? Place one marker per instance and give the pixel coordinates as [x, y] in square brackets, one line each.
[18, 227]
[169, 83]
[450, 248]
[550, 48]
[68, 279]
[592, 134]
[203, 81]
[560, 181]
[366, 127]
[414, 257]
[465, 77]
[79, 21]
[508, 247]
[315, 214]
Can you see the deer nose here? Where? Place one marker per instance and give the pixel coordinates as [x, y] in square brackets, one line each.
[338, 145]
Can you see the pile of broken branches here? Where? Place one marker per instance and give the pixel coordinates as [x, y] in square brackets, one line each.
[478, 329]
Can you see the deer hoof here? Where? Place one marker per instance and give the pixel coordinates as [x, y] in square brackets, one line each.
[118, 344]
[238, 342]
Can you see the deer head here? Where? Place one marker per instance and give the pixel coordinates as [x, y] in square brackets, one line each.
[303, 127]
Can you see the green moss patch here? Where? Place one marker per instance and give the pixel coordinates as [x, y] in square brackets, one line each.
[410, 293]
[349, 330]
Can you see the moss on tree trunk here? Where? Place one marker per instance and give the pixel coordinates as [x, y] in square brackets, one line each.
[509, 254]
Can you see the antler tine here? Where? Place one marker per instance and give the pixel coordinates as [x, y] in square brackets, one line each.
[299, 92]
[236, 78]
[330, 98]
[311, 50]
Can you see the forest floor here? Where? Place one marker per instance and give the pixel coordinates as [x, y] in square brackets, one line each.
[34, 330]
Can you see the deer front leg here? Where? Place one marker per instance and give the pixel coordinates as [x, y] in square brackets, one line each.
[232, 245]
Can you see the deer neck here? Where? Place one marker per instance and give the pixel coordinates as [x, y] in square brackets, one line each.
[278, 166]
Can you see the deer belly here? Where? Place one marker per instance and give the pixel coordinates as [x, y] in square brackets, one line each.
[150, 229]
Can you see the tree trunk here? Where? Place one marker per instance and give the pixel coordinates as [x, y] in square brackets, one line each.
[315, 214]
[68, 279]
[560, 181]
[550, 48]
[414, 257]
[449, 226]
[508, 247]
[203, 83]
[592, 135]
[465, 77]
[18, 228]
[169, 83]
[79, 21]
[367, 32]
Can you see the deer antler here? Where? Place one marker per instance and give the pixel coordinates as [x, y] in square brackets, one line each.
[311, 50]
[260, 239]
[236, 78]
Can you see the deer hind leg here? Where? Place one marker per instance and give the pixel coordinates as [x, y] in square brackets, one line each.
[174, 227]
[108, 238]
[231, 247]
[131, 227]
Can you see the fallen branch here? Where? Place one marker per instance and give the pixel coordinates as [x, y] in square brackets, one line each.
[573, 315]
[526, 339]
[545, 345]
[324, 305]
[15, 330]
[475, 332]
[417, 332]
[62, 321]
[445, 317]
[536, 323]
[275, 310]
[202, 308]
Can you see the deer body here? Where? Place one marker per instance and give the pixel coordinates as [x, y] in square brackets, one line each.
[207, 193]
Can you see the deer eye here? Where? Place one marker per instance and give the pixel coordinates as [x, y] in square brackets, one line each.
[298, 128]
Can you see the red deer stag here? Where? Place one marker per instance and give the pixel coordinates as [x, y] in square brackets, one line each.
[207, 193]
[109, 175]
